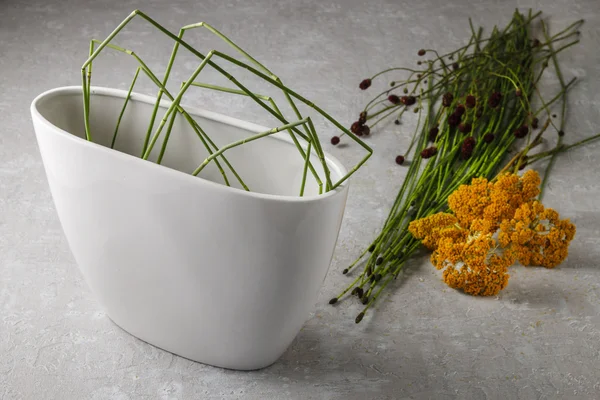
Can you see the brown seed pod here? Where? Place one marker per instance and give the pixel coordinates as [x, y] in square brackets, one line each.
[471, 101]
[459, 110]
[408, 100]
[521, 132]
[453, 120]
[433, 132]
[392, 98]
[429, 152]
[465, 127]
[488, 137]
[447, 99]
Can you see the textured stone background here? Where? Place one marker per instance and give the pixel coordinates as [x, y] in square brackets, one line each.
[540, 339]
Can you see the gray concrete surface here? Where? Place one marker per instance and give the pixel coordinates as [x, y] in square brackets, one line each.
[539, 339]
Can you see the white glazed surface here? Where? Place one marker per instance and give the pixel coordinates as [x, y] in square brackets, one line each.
[214, 274]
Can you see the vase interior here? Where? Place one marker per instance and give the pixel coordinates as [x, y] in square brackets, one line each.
[271, 165]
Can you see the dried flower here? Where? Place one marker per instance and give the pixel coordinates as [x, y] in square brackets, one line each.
[421, 52]
[536, 235]
[432, 229]
[493, 201]
[464, 245]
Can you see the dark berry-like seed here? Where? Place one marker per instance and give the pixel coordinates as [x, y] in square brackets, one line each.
[433, 132]
[365, 84]
[429, 152]
[460, 110]
[465, 127]
[362, 118]
[470, 101]
[447, 99]
[408, 100]
[488, 137]
[453, 120]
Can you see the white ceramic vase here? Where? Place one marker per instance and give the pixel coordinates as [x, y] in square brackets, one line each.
[209, 272]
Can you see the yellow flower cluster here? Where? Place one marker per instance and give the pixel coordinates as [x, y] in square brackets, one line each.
[493, 202]
[536, 235]
[464, 244]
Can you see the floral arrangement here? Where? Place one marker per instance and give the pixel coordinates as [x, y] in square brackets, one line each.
[480, 116]
[300, 127]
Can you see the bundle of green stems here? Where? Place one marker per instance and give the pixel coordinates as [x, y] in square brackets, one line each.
[475, 105]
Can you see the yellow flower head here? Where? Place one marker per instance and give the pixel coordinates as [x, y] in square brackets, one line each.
[493, 201]
[431, 229]
[536, 235]
[477, 266]
[464, 244]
